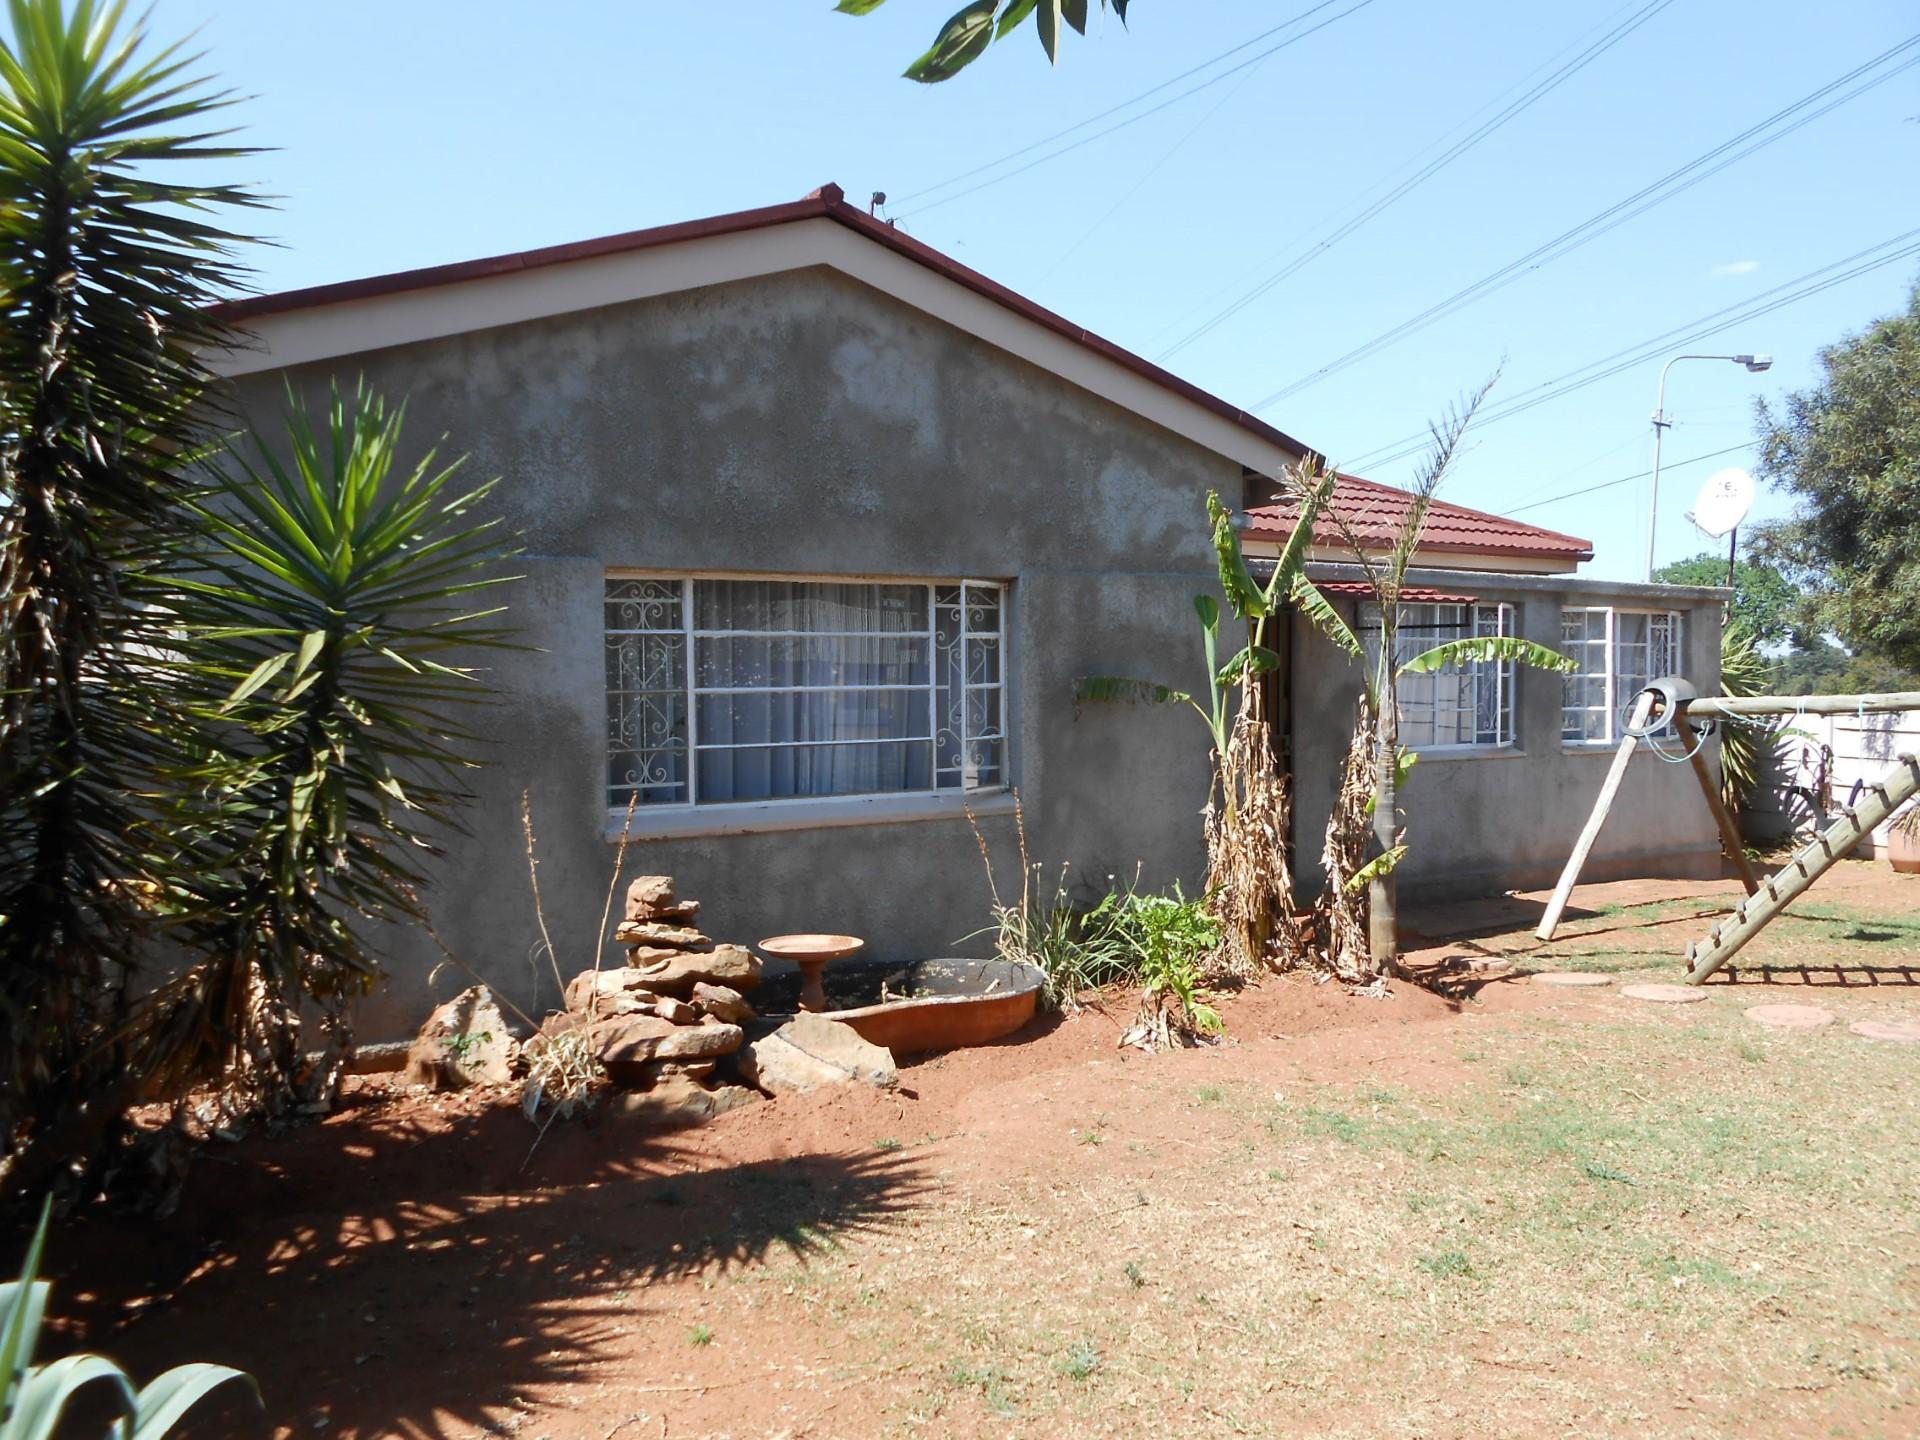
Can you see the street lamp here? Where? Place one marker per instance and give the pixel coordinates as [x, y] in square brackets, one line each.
[1754, 363]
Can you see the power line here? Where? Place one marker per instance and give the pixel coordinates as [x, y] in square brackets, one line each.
[1702, 327]
[1628, 479]
[1033, 145]
[1144, 114]
[1433, 167]
[1672, 184]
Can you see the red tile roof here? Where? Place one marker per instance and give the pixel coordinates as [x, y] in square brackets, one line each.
[1374, 513]
[828, 202]
[1409, 594]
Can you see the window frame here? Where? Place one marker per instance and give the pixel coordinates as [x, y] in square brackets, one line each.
[1676, 620]
[1506, 617]
[877, 804]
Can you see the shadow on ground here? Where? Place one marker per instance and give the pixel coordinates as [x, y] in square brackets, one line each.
[466, 1287]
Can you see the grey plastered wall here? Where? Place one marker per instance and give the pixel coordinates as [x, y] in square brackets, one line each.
[801, 424]
[1507, 819]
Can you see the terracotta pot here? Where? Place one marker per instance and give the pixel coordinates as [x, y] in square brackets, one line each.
[1903, 847]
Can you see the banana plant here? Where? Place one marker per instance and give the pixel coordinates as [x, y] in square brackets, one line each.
[1253, 604]
[34, 1398]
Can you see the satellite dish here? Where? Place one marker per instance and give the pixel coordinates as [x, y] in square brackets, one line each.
[1724, 502]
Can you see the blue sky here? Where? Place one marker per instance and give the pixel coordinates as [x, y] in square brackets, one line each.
[424, 131]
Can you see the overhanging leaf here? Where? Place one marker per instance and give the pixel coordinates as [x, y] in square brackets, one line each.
[1258, 658]
[960, 42]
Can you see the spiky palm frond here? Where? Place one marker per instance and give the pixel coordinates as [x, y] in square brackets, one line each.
[107, 265]
[330, 618]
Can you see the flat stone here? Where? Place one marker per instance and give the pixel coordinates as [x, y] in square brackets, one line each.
[465, 1042]
[648, 1037]
[1665, 994]
[678, 1011]
[643, 955]
[675, 1103]
[1900, 1032]
[1790, 1017]
[1572, 979]
[811, 1051]
[616, 990]
[677, 973]
[653, 932]
[722, 1002]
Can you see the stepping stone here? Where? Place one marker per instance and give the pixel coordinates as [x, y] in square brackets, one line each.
[1665, 994]
[1790, 1017]
[1572, 979]
[1901, 1032]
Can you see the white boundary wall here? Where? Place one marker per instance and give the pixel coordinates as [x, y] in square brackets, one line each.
[1861, 748]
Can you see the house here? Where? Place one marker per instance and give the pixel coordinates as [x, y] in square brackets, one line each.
[821, 526]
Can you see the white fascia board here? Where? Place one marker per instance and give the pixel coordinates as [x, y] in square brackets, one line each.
[358, 326]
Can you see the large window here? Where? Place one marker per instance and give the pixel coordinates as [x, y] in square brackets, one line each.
[722, 691]
[1618, 652]
[1459, 705]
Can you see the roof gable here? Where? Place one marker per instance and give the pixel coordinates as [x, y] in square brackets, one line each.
[353, 317]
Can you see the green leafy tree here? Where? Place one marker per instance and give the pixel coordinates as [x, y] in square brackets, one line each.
[967, 34]
[1848, 450]
[1765, 602]
[109, 257]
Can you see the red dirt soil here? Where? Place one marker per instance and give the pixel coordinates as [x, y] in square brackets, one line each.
[407, 1267]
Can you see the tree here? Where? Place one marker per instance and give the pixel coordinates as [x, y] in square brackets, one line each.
[1848, 450]
[1765, 602]
[968, 32]
[107, 267]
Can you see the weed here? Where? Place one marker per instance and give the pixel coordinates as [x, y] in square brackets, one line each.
[1276, 1175]
[1136, 1277]
[462, 1046]
[1209, 1095]
[1449, 1265]
[699, 1335]
[1080, 1361]
[1088, 1136]
[1599, 1170]
[1336, 1123]
[887, 1144]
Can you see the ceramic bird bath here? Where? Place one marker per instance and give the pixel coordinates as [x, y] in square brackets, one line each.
[811, 953]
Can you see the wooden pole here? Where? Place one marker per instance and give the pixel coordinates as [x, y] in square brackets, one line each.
[1718, 707]
[1584, 845]
[1750, 917]
[1730, 837]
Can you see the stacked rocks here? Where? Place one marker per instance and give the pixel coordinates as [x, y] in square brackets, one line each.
[664, 1022]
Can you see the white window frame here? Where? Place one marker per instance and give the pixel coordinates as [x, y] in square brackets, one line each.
[1502, 674]
[939, 798]
[1616, 701]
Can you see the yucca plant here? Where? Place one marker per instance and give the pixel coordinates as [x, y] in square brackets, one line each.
[1744, 741]
[329, 618]
[108, 263]
[34, 1398]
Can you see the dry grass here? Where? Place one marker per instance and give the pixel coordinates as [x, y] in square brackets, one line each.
[1619, 1220]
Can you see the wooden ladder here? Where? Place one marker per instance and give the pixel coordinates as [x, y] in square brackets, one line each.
[1814, 859]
